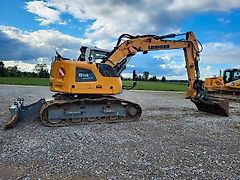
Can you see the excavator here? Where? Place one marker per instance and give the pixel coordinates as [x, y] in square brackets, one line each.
[226, 85]
[85, 87]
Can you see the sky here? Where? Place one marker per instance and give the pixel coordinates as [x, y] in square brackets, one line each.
[31, 31]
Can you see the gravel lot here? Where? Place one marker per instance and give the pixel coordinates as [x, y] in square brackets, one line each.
[171, 140]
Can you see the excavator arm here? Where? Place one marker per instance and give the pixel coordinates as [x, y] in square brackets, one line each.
[118, 58]
[121, 54]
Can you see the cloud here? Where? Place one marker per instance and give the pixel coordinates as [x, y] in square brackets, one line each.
[130, 65]
[171, 63]
[220, 53]
[203, 5]
[163, 59]
[161, 64]
[45, 13]
[105, 43]
[123, 16]
[22, 66]
[169, 67]
[26, 46]
[112, 18]
[224, 20]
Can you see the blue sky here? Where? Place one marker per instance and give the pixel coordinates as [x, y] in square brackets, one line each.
[31, 31]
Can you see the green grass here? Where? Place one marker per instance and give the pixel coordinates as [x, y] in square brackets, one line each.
[158, 86]
[141, 85]
[25, 81]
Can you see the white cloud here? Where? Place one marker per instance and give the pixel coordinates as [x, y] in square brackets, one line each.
[130, 65]
[25, 46]
[224, 20]
[208, 68]
[203, 5]
[220, 53]
[105, 44]
[22, 66]
[173, 68]
[166, 58]
[112, 18]
[45, 13]
[126, 75]
[27, 67]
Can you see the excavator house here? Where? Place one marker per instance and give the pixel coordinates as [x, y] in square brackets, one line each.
[85, 87]
[226, 85]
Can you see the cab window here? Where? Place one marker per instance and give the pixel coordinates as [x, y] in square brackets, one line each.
[98, 56]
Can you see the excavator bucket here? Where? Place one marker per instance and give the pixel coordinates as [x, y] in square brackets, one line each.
[212, 105]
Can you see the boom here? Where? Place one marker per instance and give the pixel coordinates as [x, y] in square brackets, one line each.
[124, 51]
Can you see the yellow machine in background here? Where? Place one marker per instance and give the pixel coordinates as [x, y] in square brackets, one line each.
[84, 86]
[227, 85]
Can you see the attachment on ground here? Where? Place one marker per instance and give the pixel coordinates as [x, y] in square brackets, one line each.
[19, 112]
[212, 105]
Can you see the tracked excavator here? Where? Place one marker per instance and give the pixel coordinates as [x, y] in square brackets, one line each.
[226, 85]
[85, 87]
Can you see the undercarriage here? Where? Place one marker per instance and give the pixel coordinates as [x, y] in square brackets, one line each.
[65, 110]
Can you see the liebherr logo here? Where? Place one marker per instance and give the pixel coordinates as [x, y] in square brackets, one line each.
[160, 47]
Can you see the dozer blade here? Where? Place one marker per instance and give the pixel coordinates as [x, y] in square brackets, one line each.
[19, 112]
[213, 105]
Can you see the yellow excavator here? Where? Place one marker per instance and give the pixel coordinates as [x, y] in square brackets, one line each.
[226, 85]
[84, 87]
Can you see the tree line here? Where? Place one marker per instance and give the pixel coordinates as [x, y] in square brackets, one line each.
[40, 71]
[145, 77]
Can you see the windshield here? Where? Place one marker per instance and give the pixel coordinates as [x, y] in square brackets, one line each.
[236, 75]
[231, 75]
[98, 56]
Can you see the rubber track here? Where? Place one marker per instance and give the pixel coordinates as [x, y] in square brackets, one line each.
[95, 120]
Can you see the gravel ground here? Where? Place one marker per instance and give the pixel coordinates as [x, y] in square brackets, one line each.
[171, 140]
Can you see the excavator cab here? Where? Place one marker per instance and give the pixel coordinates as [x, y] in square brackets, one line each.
[230, 75]
[93, 54]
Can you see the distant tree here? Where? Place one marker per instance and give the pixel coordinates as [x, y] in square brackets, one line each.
[139, 78]
[163, 79]
[25, 74]
[154, 78]
[1, 65]
[41, 70]
[145, 75]
[13, 71]
[2, 69]
[29, 74]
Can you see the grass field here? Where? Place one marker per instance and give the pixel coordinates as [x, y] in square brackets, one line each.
[158, 86]
[141, 85]
[25, 81]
